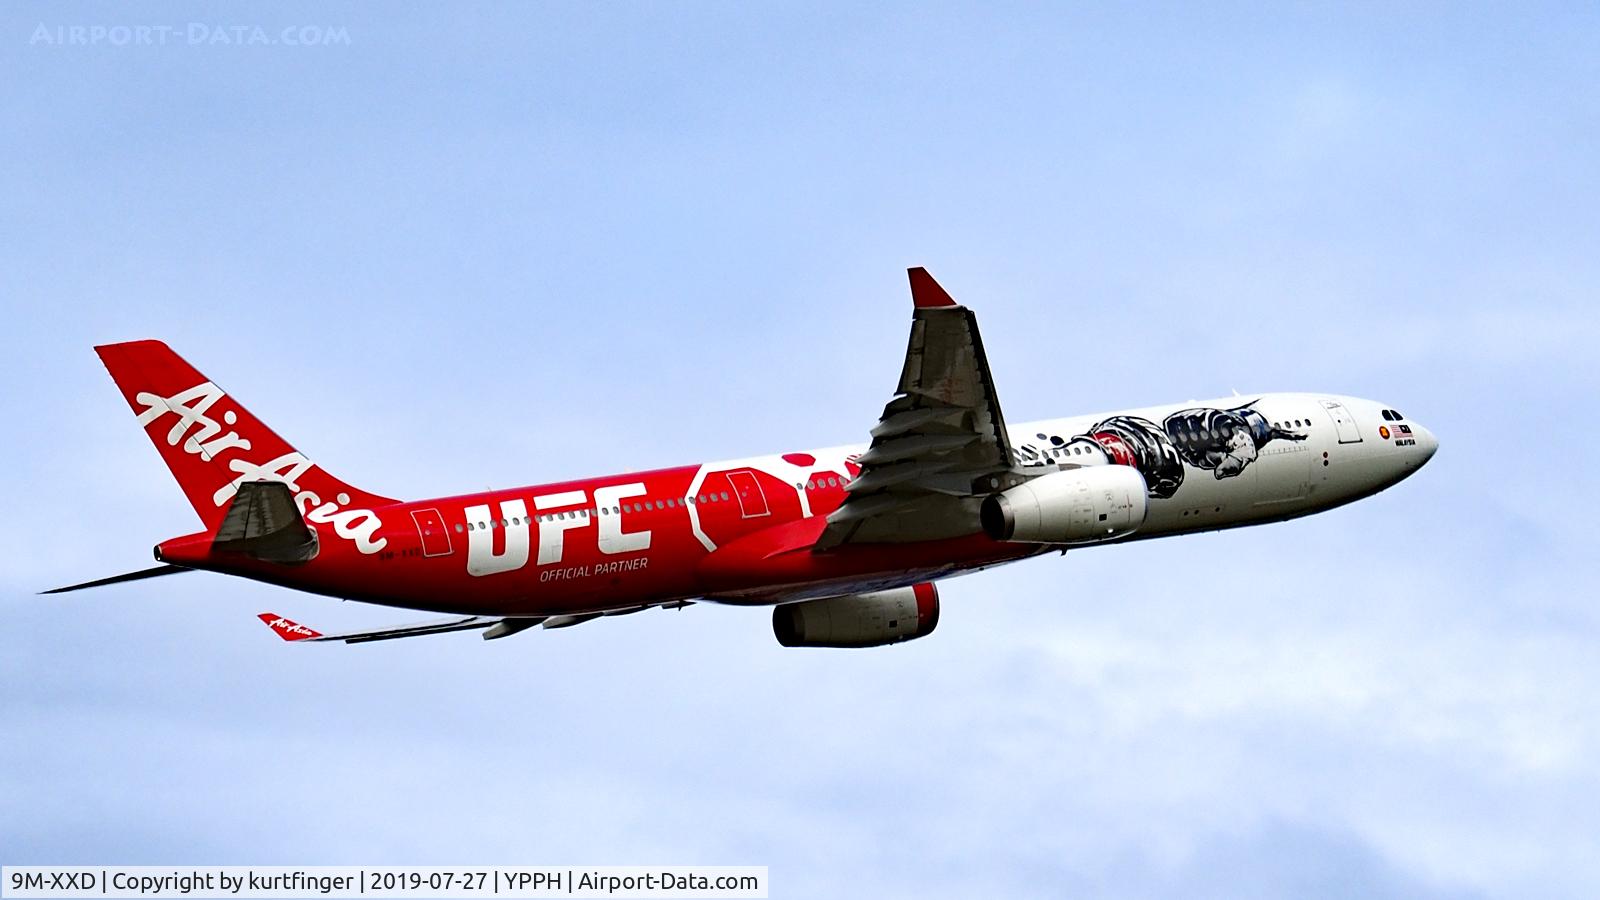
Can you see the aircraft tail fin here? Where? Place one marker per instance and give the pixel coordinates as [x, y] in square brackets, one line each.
[211, 443]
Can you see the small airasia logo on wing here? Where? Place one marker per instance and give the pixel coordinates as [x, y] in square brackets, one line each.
[207, 441]
[289, 631]
[288, 627]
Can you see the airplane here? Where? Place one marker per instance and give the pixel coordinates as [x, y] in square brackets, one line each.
[845, 544]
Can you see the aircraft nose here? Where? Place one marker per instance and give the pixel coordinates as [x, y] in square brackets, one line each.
[1427, 444]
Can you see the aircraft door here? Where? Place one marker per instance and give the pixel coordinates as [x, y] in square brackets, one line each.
[752, 501]
[1343, 423]
[430, 528]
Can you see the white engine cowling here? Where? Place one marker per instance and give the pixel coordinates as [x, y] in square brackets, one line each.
[859, 620]
[1074, 506]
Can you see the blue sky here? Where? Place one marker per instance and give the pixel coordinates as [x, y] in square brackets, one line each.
[502, 245]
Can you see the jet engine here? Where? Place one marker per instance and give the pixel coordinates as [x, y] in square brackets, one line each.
[1074, 506]
[858, 620]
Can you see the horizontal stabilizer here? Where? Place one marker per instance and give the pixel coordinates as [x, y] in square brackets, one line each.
[263, 522]
[117, 579]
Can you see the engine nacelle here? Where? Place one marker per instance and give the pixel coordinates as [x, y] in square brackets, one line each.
[858, 620]
[1074, 506]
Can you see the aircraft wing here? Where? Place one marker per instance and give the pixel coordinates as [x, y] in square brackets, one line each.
[497, 626]
[940, 446]
[290, 630]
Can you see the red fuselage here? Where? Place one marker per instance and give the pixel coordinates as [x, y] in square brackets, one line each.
[736, 532]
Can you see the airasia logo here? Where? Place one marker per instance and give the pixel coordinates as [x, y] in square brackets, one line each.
[284, 626]
[200, 435]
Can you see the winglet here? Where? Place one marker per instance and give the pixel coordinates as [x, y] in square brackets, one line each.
[925, 292]
[289, 631]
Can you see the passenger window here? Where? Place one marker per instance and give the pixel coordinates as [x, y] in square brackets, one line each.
[458, 528]
[725, 495]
